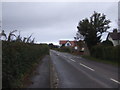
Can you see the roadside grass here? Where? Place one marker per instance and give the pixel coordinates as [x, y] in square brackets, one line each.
[101, 60]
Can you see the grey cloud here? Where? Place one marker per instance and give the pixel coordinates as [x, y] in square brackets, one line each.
[51, 21]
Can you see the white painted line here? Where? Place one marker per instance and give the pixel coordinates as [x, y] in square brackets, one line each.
[115, 80]
[72, 60]
[87, 67]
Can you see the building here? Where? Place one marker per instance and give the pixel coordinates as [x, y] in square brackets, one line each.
[78, 46]
[114, 37]
[67, 43]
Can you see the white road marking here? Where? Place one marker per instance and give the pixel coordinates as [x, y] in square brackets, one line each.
[72, 60]
[115, 80]
[69, 58]
[87, 67]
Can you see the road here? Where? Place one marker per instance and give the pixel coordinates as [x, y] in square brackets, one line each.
[77, 72]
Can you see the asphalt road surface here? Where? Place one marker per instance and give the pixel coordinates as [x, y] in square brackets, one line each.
[77, 72]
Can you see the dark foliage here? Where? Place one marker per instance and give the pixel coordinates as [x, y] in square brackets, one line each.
[17, 59]
[64, 49]
[92, 28]
[106, 52]
[52, 46]
[107, 43]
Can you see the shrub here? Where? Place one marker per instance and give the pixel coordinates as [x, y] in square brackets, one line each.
[106, 52]
[66, 49]
[17, 59]
[107, 43]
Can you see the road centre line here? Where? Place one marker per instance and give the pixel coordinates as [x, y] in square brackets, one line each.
[87, 67]
[69, 58]
[115, 80]
[90, 68]
[72, 60]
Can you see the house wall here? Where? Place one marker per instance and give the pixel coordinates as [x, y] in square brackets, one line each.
[67, 44]
[116, 42]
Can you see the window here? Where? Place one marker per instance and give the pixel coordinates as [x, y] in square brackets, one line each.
[68, 44]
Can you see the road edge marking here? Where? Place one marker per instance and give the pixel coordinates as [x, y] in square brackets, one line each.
[87, 67]
[115, 80]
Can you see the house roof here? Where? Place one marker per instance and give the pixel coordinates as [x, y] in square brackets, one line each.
[65, 41]
[72, 42]
[115, 36]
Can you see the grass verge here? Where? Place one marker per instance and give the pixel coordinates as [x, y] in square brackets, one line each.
[101, 60]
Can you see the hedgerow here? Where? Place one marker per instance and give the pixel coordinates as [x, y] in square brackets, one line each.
[17, 59]
[64, 49]
[110, 53]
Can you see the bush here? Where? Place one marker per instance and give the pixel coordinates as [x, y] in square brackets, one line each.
[107, 43]
[106, 52]
[65, 49]
[17, 59]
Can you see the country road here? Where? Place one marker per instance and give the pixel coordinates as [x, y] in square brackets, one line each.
[77, 72]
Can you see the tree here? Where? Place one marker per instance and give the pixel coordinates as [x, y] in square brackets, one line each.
[51, 45]
[92, 28]
[107, 43]
[78, 37]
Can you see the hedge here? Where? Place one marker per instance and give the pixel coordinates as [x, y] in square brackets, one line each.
[64, 49]
[17, 59]
[106, 52]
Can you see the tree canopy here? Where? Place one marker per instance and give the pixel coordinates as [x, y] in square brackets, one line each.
[92, 28]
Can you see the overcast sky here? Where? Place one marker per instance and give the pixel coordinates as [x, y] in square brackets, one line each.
[53, 21]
